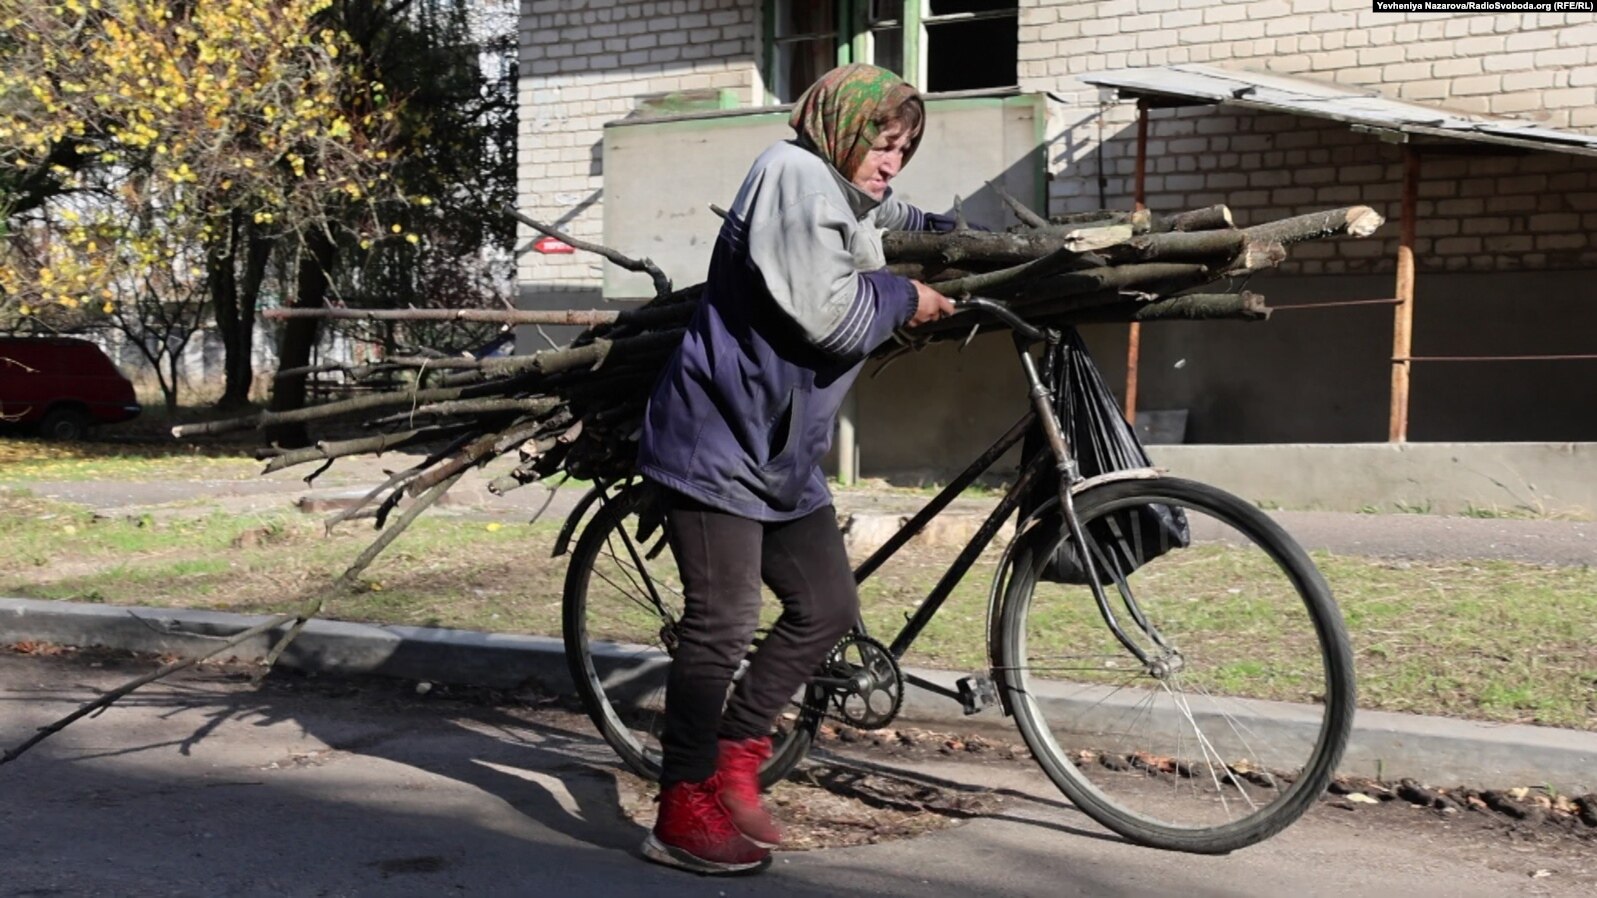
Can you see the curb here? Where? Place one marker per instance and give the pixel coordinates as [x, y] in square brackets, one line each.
[1437, 751]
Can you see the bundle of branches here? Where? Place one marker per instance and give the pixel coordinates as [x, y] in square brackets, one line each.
[576, 409]
[1113, 266]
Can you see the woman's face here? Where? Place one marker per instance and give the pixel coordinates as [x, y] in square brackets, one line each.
[884, 161]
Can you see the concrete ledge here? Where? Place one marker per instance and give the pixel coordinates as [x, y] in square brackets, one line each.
[1550, 478]
[1434, 750]
[1439, 751]
[501, 661]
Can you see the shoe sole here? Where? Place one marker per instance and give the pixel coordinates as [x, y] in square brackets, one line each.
[761, 843]
[661, 853]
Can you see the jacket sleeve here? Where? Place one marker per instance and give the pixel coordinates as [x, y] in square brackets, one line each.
[801, 256]
[894, 215]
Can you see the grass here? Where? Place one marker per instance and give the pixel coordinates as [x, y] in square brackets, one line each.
[27, 460]
[442, 573]
[988, 486]
[1491, 640]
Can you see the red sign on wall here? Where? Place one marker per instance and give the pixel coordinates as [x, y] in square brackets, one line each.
[550, 246]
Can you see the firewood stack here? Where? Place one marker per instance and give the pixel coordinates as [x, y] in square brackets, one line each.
[577, 409]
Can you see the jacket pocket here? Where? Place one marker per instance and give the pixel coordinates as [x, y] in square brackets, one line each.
[780, 477]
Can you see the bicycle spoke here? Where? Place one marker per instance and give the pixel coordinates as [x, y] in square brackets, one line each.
[627, 571]
[1236, 726]
[641, 603]
[1203, 741]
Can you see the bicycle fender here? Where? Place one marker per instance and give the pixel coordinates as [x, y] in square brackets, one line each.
[573, 520]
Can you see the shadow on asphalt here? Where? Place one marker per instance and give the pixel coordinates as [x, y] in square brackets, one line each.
[317, 823]
[926, 779]
[561, 778]
[555, 777]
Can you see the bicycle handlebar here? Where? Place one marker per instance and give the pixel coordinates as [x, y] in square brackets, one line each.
[1002, 313]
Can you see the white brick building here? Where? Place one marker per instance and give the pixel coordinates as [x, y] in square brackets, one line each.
[1504, 247]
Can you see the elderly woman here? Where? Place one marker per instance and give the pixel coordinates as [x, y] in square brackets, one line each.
[797, 297]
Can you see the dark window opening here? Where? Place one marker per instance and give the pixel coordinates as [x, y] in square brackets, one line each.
[972, 45]
[806, 45]
[887, 34]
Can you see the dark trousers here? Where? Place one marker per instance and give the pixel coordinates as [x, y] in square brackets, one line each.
[723, 559]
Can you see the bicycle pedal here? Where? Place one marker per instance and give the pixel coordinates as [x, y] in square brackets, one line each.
[976, 693]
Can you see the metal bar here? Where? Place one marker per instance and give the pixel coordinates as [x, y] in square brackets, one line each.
[948, 17]
[1499, 358]
[956, 572]
[858, 30]
[768, 53]
[1139, 187]
[800, 38]
[929, 686]
[1408, 128]
[585, 318]
[1403, 315]
[845, 48]
[917, 523]
[1333, 305]
[848, 440]
[1139, 198]
[914, 39]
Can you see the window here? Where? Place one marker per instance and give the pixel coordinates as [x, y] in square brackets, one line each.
[938, 45]
[803, 45]
[970, 44]
[886, 26]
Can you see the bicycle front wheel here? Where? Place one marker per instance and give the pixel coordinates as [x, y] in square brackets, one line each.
[622, 606]
[1234, 723]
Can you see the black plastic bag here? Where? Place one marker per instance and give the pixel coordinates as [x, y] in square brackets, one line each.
[1101, 441]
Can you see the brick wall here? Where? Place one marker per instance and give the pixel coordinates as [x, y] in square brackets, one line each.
[584, 63]
[1507, 64]
[1480, 213]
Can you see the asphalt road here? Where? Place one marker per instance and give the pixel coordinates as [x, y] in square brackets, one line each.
[212, 786]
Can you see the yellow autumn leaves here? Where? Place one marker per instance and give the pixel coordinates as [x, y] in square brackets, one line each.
[144, 122]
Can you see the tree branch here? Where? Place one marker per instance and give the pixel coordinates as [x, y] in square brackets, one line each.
[1021, 210]
[662, 284]
[1354, 221]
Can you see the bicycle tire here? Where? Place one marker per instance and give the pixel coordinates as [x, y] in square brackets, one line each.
[616, 677]
[1125, 791]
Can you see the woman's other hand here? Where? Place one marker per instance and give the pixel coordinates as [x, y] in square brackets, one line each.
[930, 305]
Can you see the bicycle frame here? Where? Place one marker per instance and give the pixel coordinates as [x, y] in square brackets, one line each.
[1070, 483]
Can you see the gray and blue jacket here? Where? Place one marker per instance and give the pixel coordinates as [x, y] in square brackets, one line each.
[797, 297]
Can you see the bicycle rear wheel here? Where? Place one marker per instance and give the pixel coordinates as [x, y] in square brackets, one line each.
[1236, 726]
[623, 599]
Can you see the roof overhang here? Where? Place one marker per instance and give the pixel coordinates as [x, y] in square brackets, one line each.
[1361, 109]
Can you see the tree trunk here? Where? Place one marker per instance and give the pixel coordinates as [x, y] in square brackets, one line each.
[241, 369]
[223, 276]
[316, 259]
[235, 301]
[169, 384]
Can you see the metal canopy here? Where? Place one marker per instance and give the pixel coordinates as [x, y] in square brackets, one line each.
[1361, 108]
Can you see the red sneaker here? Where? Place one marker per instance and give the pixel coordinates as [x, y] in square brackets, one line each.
[693, 832]
[737, 772]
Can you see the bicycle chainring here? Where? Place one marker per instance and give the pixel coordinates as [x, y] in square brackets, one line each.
[876, 690]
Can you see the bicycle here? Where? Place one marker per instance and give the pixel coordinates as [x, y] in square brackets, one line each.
[1146, 724]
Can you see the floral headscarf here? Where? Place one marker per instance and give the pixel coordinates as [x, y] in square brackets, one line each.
[836, 116]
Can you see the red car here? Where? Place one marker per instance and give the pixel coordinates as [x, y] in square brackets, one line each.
[61, 385]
